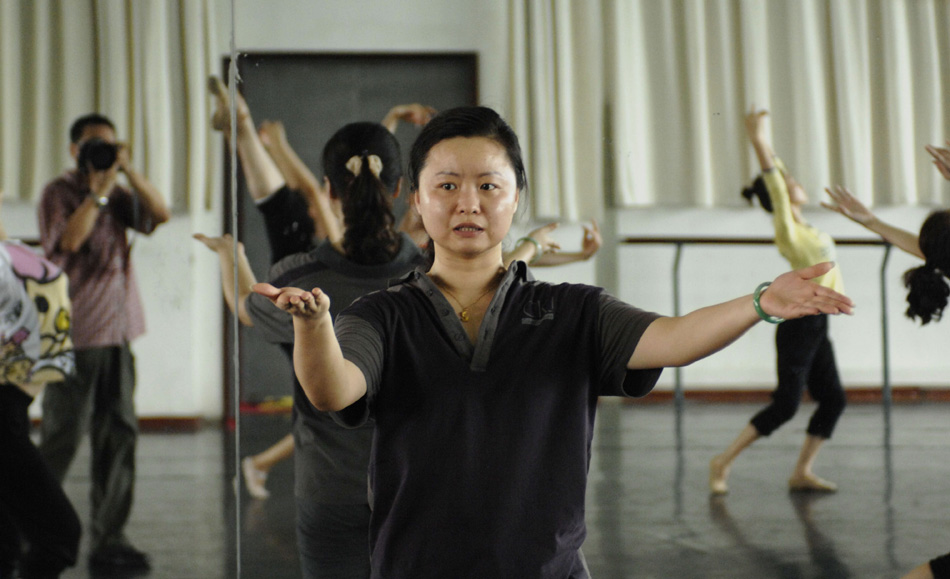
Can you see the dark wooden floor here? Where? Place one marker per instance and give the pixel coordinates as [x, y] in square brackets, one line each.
[649, 512]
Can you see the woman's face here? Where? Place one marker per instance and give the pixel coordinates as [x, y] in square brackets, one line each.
[467, 195]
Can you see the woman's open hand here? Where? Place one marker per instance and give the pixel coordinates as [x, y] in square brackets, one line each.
[845, 203]
[310, 305]
[794, 295]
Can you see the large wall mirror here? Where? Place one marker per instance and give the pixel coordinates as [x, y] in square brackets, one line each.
[629, 112]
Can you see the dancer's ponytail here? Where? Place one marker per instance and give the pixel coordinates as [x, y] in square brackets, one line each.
[758, 190]
[363, 164]
[928, 290]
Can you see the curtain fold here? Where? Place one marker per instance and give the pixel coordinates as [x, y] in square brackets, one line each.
[855, 88]
[556, 104]
[141, 63]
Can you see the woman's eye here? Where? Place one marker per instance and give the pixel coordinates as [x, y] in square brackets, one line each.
[447, 186]
[489, 186]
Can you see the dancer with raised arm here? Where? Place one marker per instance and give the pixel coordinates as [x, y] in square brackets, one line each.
[805, 358]
[299, 212]
[927, 285]
[484, 384]
[363, 168]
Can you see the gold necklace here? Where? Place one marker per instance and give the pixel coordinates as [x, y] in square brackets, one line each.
[463, 315]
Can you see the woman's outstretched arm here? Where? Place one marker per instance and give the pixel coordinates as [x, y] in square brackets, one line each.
[682, 340]
[224, 248]
[845, 203]
[331, 382]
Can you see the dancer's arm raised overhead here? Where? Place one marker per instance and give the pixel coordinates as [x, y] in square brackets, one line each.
[784, 196]
[415, 113]
[273, 136]
[327, 221]
[261, 174]
[845, 203]
[758, 135]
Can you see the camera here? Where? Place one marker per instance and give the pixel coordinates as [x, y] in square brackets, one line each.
[97, 152]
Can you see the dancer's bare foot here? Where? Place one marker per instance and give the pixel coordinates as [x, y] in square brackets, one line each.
[254, 479]
[809, 482]
[718, 473]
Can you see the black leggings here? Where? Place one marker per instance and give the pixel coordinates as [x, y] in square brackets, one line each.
[32, 502]
[805, 358]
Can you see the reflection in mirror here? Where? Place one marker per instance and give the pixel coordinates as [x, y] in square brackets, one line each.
[143, 66]
[282, 133]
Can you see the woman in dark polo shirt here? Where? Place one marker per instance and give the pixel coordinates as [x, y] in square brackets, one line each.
[483, 383]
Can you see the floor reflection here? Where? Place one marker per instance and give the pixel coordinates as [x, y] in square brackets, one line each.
[649, 512]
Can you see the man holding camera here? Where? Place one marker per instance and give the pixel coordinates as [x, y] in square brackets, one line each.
[84, 216]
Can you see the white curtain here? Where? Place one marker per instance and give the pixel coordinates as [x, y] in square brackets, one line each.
[141, 63]
[557, 104]
[855, 88]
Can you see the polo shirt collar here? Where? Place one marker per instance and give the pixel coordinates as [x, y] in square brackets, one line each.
[479, 353]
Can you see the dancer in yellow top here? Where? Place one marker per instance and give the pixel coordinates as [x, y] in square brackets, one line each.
[805, 355]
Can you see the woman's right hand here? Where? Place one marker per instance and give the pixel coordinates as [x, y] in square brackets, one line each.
[848, 205]
[301, 304]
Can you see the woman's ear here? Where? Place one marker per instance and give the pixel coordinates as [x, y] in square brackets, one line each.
[398, 188]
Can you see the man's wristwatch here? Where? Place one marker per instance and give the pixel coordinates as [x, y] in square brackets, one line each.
[101, 200]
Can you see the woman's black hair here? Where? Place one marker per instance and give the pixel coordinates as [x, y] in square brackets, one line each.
[469, 121]
[369, 234]
[927, 286]
[758, 189]
[466, 122]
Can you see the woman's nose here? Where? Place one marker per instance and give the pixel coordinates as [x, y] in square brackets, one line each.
[468, 200]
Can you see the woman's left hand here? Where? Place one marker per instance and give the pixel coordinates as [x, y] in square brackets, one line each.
[793, 295]
[592, 241]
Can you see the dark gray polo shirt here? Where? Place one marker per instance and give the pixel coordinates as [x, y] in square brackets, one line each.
[330, 462]
[480, 457]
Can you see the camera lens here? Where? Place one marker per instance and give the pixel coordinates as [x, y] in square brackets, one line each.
[98, 153]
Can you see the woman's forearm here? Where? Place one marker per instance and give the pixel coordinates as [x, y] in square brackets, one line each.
[331, 382]
[764, 153]
[901, 238]
[679, 341]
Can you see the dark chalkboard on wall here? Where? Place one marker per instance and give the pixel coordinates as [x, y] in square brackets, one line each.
[313, 95]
